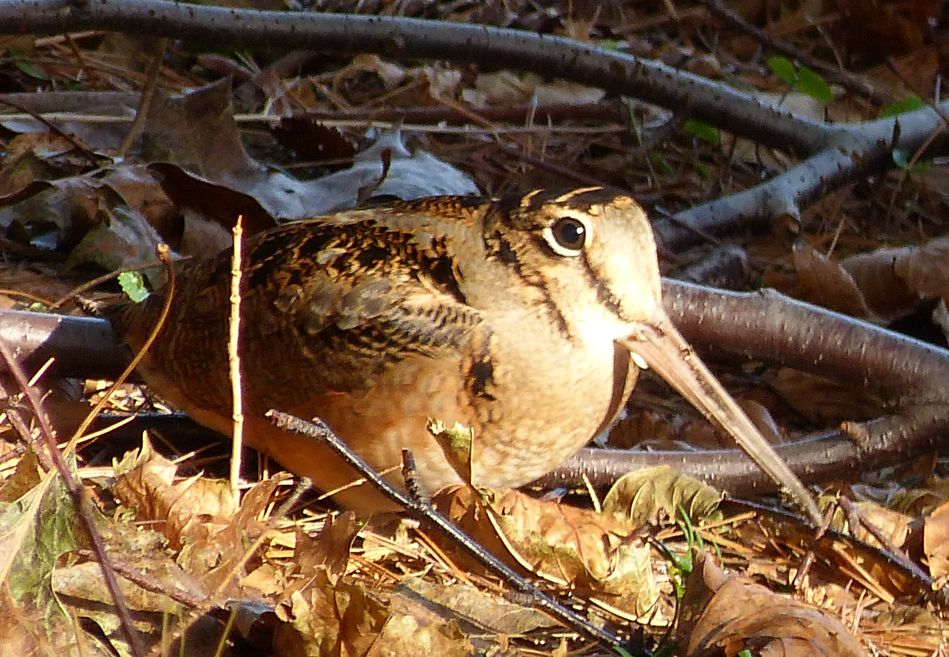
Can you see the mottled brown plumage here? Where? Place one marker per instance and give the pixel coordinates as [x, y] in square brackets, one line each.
[507, 316]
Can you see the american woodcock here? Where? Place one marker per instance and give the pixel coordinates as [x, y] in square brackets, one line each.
[523, 319]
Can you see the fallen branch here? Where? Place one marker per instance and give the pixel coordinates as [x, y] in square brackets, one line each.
[769, 327]
[774, 328]
[400, 37]
[423, 511]
[838, 153]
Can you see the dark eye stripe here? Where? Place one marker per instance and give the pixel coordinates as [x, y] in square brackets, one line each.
[498, 246]
[603, 293]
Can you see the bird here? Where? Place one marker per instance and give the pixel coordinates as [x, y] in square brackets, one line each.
[525, 318]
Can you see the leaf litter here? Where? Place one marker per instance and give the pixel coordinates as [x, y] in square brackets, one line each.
[318, 584]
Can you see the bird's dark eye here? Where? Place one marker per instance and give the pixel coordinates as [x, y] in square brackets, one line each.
[570, 234]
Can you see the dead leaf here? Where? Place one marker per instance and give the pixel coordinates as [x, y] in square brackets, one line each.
[882, 285]
[652, 494]
[145, 481]
[822, 400]
[215, 156]
[197, 515]
[722, 615]
[936, 541]
[329, 620]
[925, 269]
[329, 549]
[508, 88]
[895, 526]
[825, 283]
[597, 553]
[470, 603]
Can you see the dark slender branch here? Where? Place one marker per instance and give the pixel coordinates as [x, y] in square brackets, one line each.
[841, 151]
[422, 511]
[775, 328]
[857, 149]
[80, 498]
[547, 55]
[853, 83]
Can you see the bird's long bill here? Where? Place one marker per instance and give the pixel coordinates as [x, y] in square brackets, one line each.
[664, 349]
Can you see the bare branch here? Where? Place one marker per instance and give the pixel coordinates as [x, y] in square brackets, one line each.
[856, 149]
[775, 328]
[839, 152]
[769, 327]
[401, 37]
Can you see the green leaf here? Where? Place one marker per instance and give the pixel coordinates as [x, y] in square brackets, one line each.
[28, 67]
[35, 529]
[702, 130]
[611, 44]
[659, 164]
[901, 158]
[783, 68]
[811, 83]
[909, 104]
[133, 284]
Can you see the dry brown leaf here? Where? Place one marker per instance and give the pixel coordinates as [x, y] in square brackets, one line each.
[468, 602]
[936, 541]
[824, 282]
[197, 515]
[407, 635]
[208, 153]
[882, 285]
[140, 189]
[761, 417]
[824, 401]
[723, 614]
[506, 87]
[83, 581]
[895, 526]
[925, 269]
[329, 620]
[329, 549]
[596, 552]
[885, 291]
[184, 510]
[33, 157]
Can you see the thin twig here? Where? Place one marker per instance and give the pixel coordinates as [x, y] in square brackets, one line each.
[148, 92]
[234, 362]
[81, 500]
[164, 255]
[852, 82]
[318, 431]
[79, 146]
[616, 72]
